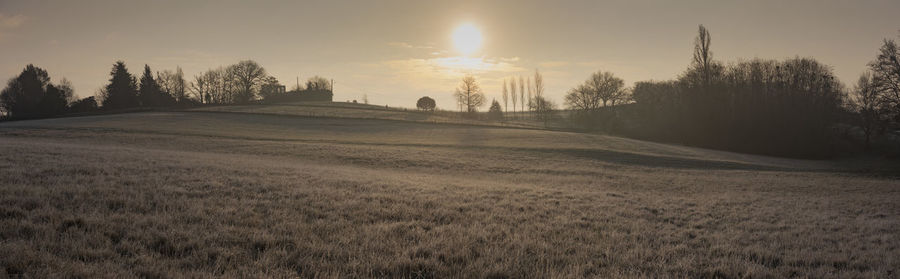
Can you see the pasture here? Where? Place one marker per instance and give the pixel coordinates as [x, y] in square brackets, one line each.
[234, 194]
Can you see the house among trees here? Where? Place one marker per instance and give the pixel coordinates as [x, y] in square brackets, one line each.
[317, 89]
[303, 95]
[318, 95]
[274, 88]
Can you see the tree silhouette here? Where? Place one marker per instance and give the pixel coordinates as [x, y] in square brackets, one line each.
[201, 87]
[425, 103]
[217, 85]
[798, 100]
[505, 96]
[121, 92]
[528, 85]
[582, 98]
[67, 89]
[173, 86]
[88, 104]
[886, 77]
[318, 83]
[522, 100]
[702, 55]
[271, 88]
[495, 112]
[30, 94]
[469, 94]
[543, 109]
[538, 84]
[23, 95]
[602, 88]
[246, 76]
[512, 92]
[149, 93]
[53, 102]
[868, 104]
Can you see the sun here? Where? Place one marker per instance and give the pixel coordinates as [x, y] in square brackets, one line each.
[467, 38]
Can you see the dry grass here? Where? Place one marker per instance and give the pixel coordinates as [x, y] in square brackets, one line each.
[218, 194]
[363, 111]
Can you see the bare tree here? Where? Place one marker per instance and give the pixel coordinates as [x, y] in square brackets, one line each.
[318, 83]
[65, 86]
[606, 86]
[702, 54]
[582, 98]
[219, 86]
[601, 89]
[543, 109]
[173, 84]
[248, 76]
[505, 96]
[522, 93]
[868, 104]
[528, 85]
[538, 84]
[886, 76]
[200, 88]
[512, 91]
[180, 86]
[469, 94]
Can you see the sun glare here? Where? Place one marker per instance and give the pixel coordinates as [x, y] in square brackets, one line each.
[467, 38]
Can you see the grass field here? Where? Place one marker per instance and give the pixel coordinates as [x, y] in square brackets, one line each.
[209, 194]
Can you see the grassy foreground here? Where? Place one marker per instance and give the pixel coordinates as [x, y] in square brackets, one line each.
[198, 194]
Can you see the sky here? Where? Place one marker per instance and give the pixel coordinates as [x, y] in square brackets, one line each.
[397, 51]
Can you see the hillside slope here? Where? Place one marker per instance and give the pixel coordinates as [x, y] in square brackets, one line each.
[196, 194]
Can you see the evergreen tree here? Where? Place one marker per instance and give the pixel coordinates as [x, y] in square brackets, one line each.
[495, 112]
[149, 93]
[121, 92]
[53, 102]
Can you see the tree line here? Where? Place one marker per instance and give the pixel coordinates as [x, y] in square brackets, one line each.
[470, 97]
[876, 95]
[31, 94]
[793, 107]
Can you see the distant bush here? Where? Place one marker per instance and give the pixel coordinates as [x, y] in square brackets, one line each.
[544, 109]
[495, 112]
[425, 103]
[88, 104]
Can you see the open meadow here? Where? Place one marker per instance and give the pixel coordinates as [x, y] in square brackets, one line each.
[208, 194]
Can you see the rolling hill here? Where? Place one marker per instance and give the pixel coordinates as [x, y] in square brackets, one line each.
[344, 190]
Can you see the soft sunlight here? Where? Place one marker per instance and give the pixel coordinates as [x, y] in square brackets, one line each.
[524, 138]
[467, 38]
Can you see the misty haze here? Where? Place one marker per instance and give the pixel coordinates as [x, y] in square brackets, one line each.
[449, 139]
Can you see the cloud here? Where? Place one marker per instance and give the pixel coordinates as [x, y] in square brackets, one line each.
[452, 67]
[554, 64]
[408, 45]
[11, 22]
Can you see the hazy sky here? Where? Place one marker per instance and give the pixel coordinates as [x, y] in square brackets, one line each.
[397, 51]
